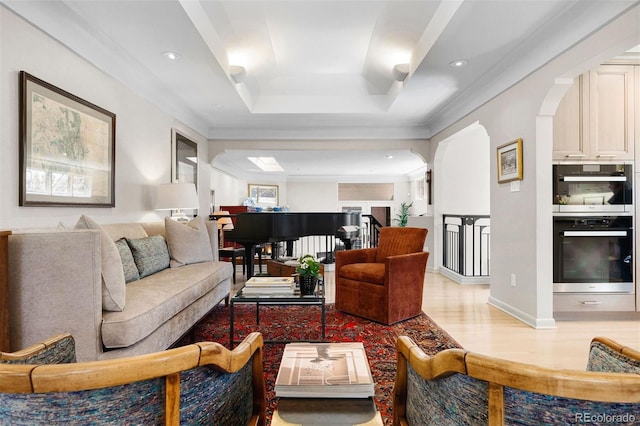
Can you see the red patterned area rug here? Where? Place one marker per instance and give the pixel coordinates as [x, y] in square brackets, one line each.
[302, 323]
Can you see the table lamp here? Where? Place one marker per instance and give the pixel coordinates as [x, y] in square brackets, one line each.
[176, 197]
[224, 224]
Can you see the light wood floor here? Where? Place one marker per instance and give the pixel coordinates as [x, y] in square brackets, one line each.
[464, 313]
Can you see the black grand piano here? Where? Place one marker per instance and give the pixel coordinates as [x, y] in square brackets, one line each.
[253, 229]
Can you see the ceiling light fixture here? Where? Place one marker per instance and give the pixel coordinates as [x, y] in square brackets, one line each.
[458, 63]
[237, 73]
[400, 72]
[174, 56]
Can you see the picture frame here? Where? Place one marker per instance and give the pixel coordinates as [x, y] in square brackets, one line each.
[67, 148]
[184, 162]
[264, 195]
[509, 161]
[184, 159]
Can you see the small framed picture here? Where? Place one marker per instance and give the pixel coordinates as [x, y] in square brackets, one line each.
[510, 161]
[264, 195]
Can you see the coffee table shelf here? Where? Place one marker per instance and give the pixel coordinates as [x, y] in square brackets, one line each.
[295, 299]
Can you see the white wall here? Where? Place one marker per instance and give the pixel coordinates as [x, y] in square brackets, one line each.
[465, 174]
[312, 196]
[143, 132]
[229, 191]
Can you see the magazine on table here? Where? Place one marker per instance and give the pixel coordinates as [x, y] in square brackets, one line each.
[270, 282]
[269, 285]
[324, 370]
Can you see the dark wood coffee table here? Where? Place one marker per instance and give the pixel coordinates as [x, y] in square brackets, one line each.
[295, 299]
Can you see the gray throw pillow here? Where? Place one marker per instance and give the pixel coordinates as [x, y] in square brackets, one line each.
[128, 264]
[150, 254]
[188, 243]
[113, 284]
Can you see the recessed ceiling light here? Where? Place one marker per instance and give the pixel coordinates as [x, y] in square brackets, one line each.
[388, 157]
[458, 63]
[174, 56]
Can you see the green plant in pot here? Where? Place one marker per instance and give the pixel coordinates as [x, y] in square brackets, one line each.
[402, 217]
[309, 273]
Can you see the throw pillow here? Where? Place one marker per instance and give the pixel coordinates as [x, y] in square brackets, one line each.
[150, 254]
[188, 243]
[128, 264]
[113, 284]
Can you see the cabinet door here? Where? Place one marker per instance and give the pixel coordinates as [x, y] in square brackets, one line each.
[611, 113]
[570, 129]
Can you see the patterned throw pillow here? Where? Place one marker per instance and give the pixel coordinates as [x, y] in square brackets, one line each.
[150, 254]
[128, 264]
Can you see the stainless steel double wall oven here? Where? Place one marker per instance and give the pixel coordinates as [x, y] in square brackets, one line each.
[593, 228]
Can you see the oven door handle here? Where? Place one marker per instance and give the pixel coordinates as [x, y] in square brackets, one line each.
[585, 178]
[594, 233]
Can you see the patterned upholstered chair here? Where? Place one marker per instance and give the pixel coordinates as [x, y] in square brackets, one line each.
[456, 387]
[383, 284]
[202, 383]
[608, 356]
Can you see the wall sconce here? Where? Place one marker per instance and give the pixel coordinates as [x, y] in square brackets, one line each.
[400, 72]
[177, 196]
[237, 73]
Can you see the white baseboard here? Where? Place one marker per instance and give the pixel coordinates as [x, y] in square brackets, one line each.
[462, 279]
[537, 323]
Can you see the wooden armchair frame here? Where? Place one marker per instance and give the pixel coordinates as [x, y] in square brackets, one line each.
[498, 379]
[169, 366]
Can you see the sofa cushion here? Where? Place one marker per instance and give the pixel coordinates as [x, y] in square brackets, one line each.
[150, 254]
[128, 264]
[124, 230]
[188, 243]
[156, 299]
[366, 272]
[113, 283]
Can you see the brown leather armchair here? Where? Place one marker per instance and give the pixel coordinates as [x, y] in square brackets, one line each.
[383, 284]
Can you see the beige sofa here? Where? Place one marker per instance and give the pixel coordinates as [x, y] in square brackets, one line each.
[70, 281]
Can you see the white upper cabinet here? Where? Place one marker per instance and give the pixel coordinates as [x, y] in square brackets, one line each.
[596, 119]
[570, 127]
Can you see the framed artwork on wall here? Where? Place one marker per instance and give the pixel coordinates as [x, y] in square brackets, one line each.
[184, 162]
[510, 161]
[67, 148]
[264, 195]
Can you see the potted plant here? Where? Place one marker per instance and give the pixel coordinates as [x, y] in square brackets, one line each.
[403, 216]
[308, 271]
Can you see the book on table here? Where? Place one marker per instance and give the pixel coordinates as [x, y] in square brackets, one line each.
[324, 370]
[269, 285]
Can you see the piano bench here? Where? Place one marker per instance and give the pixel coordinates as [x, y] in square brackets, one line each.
[232, 253]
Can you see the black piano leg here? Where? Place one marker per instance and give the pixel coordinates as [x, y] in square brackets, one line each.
[250, 252]
[329, 258]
